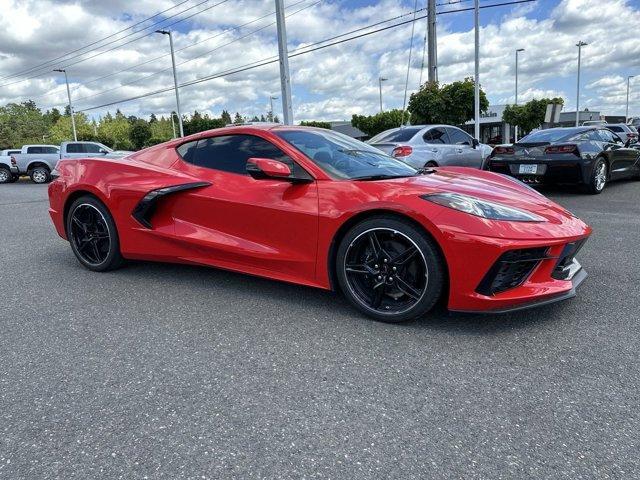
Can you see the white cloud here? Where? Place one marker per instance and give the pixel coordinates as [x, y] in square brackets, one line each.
[332, 83]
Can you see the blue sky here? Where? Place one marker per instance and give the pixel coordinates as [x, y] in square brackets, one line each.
[330, 84]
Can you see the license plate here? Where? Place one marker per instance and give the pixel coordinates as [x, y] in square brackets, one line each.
[528, 169]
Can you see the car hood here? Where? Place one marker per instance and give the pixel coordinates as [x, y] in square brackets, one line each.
[480, 184]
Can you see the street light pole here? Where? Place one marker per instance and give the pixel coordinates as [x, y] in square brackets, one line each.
[380, 80]
[580, 44]
[477, 71]
[283, 52]
[626, 116]
[175, 79]
[515, 126]
[73, 121]
[271, 99]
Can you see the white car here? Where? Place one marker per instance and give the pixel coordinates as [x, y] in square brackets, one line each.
[8, 167]
[432, 146]
[627, 133]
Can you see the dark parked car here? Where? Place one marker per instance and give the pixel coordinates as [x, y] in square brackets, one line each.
[590, 156]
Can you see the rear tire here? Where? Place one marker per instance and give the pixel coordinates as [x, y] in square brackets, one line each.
[40, 175]
[430, 164]
[93, 235]
[599, 177]
[389, 270]
[5, 175]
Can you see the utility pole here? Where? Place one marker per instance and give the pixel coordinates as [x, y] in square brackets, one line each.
[580, 44]
[518, 50]
[476, 99]
[175, 79]
[432, 57]
[271, 99]
[626, 115]
[380, 80]
[285, 78]
[406, 83]
[173, 125]
[73, 121]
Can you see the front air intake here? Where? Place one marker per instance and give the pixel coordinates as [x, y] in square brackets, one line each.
[511, 270]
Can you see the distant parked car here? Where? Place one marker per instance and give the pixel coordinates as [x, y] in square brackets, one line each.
[432, 146]
[8, 170]
[594, 123]
[38, 161]
[634, 121]
[590, 156]
[627, 133]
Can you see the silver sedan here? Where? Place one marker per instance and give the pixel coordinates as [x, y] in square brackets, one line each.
[432, 145]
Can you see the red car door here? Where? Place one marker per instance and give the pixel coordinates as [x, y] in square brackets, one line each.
[262, 226]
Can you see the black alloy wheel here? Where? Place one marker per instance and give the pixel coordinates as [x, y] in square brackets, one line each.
[599, 177]
[92, 234]
[389, 269]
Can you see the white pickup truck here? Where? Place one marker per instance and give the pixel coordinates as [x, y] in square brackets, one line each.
[38, 161]
[8, 168]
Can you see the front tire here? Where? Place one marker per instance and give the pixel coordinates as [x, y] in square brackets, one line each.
[93, 235]
[389, 269]
[40, 175]
[599, 177]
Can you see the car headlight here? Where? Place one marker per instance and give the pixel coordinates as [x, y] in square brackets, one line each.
[482, 208]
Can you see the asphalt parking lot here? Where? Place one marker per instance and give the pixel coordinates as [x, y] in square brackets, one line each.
[166, 371]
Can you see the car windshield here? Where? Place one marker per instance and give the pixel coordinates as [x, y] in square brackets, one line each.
[551, 135]
[398, 135]
[343, 157]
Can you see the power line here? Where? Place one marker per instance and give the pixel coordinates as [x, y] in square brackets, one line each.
[67, 65]
[168, 54]
[267, 61]
[94, 43]
[198, 57]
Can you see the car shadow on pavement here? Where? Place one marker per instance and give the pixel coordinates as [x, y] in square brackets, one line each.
[275, 295]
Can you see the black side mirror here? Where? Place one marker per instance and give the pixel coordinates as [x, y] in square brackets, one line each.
[476, 143]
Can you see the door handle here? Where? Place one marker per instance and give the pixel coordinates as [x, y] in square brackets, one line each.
[459, 150]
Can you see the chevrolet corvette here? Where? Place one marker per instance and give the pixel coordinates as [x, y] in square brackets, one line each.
[587, 156]
[317, 208]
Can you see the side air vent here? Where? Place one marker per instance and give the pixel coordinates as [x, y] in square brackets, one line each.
[146, 207]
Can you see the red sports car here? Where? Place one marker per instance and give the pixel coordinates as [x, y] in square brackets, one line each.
[315, 207]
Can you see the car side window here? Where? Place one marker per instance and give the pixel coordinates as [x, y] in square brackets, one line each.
[34, 150]
[91, 148]
[458, 137]
[187, 151]
[436, 135]
[74, 148]
[591, 135]
[50, 150]
[229, 153]
[608, 136]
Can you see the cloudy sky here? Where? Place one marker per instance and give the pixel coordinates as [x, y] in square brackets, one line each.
[218, 36]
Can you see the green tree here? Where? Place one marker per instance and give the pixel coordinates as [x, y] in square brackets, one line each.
[200, 123]
[62, 130]
[451, 104]
[529, 115]
[313, 123]
[374, 124]
[238, 118]
[22, 123]
[114, 131]
[226, 117]
[140, 134]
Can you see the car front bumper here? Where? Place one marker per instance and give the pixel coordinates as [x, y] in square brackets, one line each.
[484, 278]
